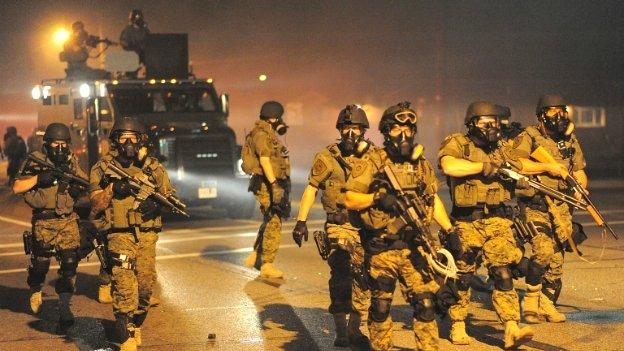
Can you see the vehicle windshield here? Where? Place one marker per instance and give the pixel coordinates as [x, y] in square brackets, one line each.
[135, 102]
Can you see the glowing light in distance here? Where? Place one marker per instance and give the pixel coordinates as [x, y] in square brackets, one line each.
[84, 90]
[36, 92]
[262, 77]
[60, 36]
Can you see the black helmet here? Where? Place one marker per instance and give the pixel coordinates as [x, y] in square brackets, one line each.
[56, 131]
[78, 25]
[400, 113]
[136, 17]
[481, 108]
[352, 115]
[126, 124]
[549, 100]
[271, 109]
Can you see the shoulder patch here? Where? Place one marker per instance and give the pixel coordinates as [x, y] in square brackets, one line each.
[358, 168]
[517, 141]
[319, 167]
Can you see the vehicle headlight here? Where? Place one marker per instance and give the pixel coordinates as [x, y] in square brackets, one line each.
[85, 90]
[36, 93]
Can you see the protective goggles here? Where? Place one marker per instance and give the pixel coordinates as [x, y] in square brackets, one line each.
[133, 137]
[560, 112]
[406, 117]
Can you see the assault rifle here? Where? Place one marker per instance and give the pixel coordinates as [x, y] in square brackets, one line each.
[411, 211]
[145, 189]
[542, 155]
[508, 173]
[62, 173]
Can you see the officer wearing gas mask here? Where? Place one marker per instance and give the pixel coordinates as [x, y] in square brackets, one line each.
[265, 158]
[134, 223]
[393, 249]
[348, 288]
[54, 222]
[134, 36]
[554, 133]
[471, 161]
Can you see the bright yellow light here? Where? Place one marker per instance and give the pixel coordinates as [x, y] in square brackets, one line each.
[152, 81]
[162, 81]
[115, 82]
[173, 81]
[60, 36]
[262, 77]
[210, 80]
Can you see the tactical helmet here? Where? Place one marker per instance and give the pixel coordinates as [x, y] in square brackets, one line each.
[549, 100]
[271, 109]
[481, 108]
[56, 131]
[126, 124]
[503, 112]
[400, 113]
[78, 25]
[352, 115]
[136, 17]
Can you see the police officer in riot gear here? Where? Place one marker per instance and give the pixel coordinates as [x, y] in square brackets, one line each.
[135, 221]
[552, 218]
[76, 53]
[471, 163]
[348, 284]
[266, 159]
[134, 35]
[55, 229]
[393, 249]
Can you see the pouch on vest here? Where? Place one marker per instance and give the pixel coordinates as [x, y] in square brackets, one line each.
[251, 164]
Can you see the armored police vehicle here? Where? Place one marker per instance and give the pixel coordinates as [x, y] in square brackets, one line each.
[185, 116]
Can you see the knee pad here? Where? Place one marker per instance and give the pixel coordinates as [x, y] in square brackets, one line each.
[69, 262]
[501, 275]
[534, 273]
[383, 283]
[379, 310]
[43, 250]
[424, 306]
[37, 270]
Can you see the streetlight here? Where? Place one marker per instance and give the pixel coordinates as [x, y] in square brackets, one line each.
[60, 36]
[262, 77]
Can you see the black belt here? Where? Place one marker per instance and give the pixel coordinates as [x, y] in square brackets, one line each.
[468, 214]
[46, 214]
[338, 218]
[131, 230]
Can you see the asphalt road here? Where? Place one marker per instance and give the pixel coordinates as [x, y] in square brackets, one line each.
[205, 289]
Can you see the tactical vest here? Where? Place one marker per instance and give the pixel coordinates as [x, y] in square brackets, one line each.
[412, 176]
[55, 197]
[121, 212]
[477, 190]
[278, 153]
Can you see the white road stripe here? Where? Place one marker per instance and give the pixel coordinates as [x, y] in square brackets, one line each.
[163, 257]
[15, 221]
[14, 253]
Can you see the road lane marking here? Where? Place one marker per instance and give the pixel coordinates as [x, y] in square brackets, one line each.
[15, 221]
[14, 253]
[165, 257]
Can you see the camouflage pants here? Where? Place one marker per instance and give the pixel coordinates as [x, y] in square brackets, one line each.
[554, 228]
[132, 288]
[385, 269]
[348, 288]
[495, 239]
[273, 230]
[63, 236]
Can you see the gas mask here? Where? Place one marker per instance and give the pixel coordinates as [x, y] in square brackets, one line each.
[279, 127]
[129, 150]
[401, 145]
[59, 154]
[558, 125]
[349, 141]
[489, 135]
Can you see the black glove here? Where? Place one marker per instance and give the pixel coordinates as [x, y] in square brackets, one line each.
[300, 231]
[121, 188]
[148, 206]
[453, 243]
[490, 170]
[46, 178]
[386, 202]
[277, 194]
[75, 190]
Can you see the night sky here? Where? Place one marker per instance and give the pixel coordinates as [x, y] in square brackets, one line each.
[321, 55]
